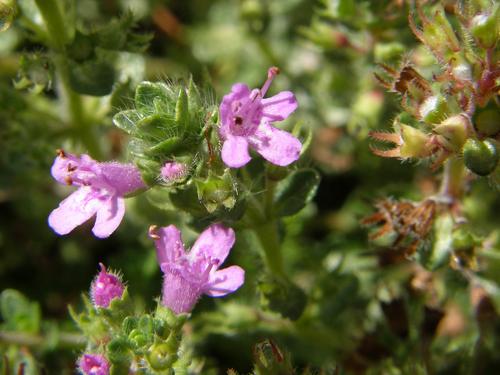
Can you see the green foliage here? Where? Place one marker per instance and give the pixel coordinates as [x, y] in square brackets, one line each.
[18, 313]
[295, 192]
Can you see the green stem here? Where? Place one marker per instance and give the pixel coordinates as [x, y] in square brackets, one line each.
[267, 233]
[65, 339]
[54, 21]
[265, 227]
[269, 196]
[59, 37]
[453, 177]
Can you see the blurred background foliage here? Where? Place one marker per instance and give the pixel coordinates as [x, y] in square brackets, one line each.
[370, 309]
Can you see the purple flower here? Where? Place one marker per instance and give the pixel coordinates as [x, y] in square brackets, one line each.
[93, 364]
[101, 190]
[105, 287]
[246, 119]
[173, 171]
[189, 275]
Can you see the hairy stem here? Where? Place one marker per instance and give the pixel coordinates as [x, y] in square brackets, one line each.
[453, 177]
[267, 233]
[64, 339]
[58, 37]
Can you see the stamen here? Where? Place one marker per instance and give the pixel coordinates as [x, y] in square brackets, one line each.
[68, 180]
[152, 232]
[60, 153]
[209, 266]
[271, 73]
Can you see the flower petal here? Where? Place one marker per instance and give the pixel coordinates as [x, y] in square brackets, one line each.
[215, 242]
[239, 92]
[235, 152]
[69, 169]
[168, 243]
[123, 178]
[278, 107]
[275, 145]
[225, 281]
[109, 216]
[179, 294]
[74, 210]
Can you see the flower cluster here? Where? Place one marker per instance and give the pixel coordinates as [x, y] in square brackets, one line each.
[165, 141]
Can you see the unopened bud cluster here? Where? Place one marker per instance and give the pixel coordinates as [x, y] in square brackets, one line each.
[121, 340]
[452, 114]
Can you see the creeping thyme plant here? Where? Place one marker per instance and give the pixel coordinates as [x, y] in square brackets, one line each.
[249, 187]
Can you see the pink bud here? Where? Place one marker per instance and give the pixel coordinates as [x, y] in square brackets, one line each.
[173, 171]
[105, 287]
[93, 364]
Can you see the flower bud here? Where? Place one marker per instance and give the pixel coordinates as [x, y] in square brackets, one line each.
[118, 351]
[485, 27]
[461, 70]
[415, 142]
[481, 157]
[439, 36]
[129, 324]
[173, 171]
[216, 191]
[454, 131]
[105, 287]
[410, 142]
[138, 338]
[160, 357]
[93, 364]
[433, 109]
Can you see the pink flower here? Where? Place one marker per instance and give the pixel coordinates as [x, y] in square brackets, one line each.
[173, 171]
[246, 119]
[189, 275]
[105, 287]
[93, 364]
[102, 187]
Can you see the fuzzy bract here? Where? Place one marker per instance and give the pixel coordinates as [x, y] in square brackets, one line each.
[246, 122]
[188, 275]
[101, 188]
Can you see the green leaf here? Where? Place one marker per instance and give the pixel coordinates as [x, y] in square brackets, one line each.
[126, 120]
[443, 244]
[295, 191]
[150, 171]
[146, 93]
[93, 77]
[166, 147]
[282, 297]
[187, 200]
[182, 109]
[157, 127]
[18, 313]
